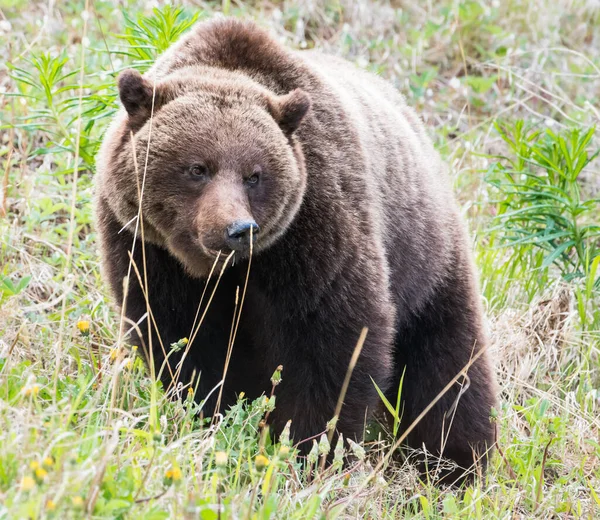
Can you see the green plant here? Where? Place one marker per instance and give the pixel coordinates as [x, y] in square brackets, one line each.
[146, 37]
[8, 288]
[50, 87]
[542, 204]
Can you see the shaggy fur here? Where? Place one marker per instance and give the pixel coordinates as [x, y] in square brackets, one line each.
[358, 227]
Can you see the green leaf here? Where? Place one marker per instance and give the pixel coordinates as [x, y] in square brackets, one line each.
[481, 85]
[557, 252]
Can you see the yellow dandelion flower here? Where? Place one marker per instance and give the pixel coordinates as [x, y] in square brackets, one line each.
[83, 326]
[77, 501]
[27, 484]
[176, 474]
[129, 364]
[32, 390]
[48, 462]
[221, 459]
[50, 505]
[169, 474]
[40, 473]
[242, 395]
[114, 352]
[33, 465]
[261, 461]
[134, 348]
[184, 341]
[190, 391]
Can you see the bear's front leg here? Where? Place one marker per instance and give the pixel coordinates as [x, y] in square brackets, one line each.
[316, 359]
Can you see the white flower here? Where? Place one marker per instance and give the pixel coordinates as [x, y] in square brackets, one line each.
[454, 83]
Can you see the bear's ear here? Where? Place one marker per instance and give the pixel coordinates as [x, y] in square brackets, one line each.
[136, 93]
[290, 109]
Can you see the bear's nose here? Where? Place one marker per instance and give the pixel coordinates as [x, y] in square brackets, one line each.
[237, 234]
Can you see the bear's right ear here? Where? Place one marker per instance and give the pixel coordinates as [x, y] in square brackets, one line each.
[289, 110]
[136, 93]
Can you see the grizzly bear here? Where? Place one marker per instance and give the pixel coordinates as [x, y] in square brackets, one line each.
[298, 199]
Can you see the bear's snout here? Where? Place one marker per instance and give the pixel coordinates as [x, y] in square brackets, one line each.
[238, 233]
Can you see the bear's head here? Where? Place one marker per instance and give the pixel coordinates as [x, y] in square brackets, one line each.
[215, 160]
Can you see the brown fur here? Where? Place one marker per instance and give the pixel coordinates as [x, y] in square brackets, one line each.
[358, 227]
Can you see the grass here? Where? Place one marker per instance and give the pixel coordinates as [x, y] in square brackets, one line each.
[510, 92]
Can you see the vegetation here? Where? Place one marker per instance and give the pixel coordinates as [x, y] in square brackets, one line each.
[510, 92]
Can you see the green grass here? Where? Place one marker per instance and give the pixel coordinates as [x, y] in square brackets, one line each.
[510, 92]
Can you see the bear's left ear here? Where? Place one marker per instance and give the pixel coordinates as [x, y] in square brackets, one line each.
[289, 110]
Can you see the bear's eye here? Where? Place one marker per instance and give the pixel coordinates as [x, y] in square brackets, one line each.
[198, 170]
[253, 179]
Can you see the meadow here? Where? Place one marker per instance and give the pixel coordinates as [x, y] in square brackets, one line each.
[510, 93]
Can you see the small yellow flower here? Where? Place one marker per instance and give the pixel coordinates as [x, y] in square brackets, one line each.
[172, 475]
[184, 341]
[48, 462]
[77, 501]
[190, 391]
[129, 364]
[40, 474]
[32, 390]
[33, 465]
[176, 474]
[221, 459]
[114, 352]
[84, 327]
[134, 348]
[261, 461]
[27, 484]
[50, 505]
[242, 395]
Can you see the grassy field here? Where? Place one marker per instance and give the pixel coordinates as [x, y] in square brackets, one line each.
[510, 91]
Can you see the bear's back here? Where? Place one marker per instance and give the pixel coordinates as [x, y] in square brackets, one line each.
[410, 185]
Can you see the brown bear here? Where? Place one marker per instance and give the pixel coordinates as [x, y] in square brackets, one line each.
[327, 178]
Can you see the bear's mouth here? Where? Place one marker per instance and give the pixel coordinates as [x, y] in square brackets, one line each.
[225, 253]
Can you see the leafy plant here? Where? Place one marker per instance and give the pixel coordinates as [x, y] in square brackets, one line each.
[541, 204]
[8, 288]
[50, 88]
[149, 36]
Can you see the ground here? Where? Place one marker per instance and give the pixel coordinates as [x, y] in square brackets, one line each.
[509, 91]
